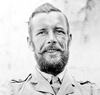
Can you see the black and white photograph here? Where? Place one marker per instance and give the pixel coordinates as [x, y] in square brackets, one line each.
[50, 47]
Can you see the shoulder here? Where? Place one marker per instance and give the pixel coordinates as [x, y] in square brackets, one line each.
[82, 87]
[88, 87]
[6, 89]
[12, 87]
[95, 89]
[85, 86]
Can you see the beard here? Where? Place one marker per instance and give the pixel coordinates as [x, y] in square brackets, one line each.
[53, 67]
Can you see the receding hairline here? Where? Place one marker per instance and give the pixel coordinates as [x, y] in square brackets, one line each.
[46, 8]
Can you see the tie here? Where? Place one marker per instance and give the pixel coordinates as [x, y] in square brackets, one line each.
[55, 83]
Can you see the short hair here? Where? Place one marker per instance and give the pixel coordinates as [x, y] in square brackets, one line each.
[45, 8]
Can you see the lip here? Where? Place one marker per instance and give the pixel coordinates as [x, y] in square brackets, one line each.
[51, 50]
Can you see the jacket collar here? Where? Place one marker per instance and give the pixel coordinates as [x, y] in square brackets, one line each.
[67, 86]
[48, 77]
[43, 85]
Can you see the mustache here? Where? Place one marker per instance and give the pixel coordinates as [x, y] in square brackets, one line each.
[51, 47]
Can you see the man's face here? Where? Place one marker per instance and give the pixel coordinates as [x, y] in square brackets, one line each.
[50, 41]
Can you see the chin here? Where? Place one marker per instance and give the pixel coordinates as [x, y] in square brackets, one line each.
[53, 65]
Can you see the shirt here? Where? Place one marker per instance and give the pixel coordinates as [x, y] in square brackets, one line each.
[49, 76]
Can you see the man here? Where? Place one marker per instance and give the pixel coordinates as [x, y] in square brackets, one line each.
[49, 38]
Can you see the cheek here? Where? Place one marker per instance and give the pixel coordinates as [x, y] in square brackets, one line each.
[62, 41]
[39, 43]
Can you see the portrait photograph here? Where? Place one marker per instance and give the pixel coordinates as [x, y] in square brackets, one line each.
[50, 47]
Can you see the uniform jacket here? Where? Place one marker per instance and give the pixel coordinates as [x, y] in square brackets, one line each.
[36, 84]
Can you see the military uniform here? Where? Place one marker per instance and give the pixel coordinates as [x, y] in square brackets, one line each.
[36, 84]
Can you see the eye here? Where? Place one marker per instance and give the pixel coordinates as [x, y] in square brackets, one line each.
[60, 31]
[42, 32]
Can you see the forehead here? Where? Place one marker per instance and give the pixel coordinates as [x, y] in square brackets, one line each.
[48, 19]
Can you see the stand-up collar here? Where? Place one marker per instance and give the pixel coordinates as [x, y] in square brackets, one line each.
[48, 77]
[44, 86]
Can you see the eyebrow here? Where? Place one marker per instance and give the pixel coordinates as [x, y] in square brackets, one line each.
[59, 28]
[42, 29]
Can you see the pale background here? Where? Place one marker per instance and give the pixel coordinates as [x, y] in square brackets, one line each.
[17, 61]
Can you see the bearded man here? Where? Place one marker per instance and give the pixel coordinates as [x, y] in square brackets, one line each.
[49, 39]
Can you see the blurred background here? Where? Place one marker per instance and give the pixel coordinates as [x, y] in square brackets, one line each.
[16, 59]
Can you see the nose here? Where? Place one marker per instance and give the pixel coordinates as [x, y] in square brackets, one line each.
[51, 38]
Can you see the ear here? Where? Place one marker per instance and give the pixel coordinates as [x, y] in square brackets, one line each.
[30, 44]
[70, 39]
